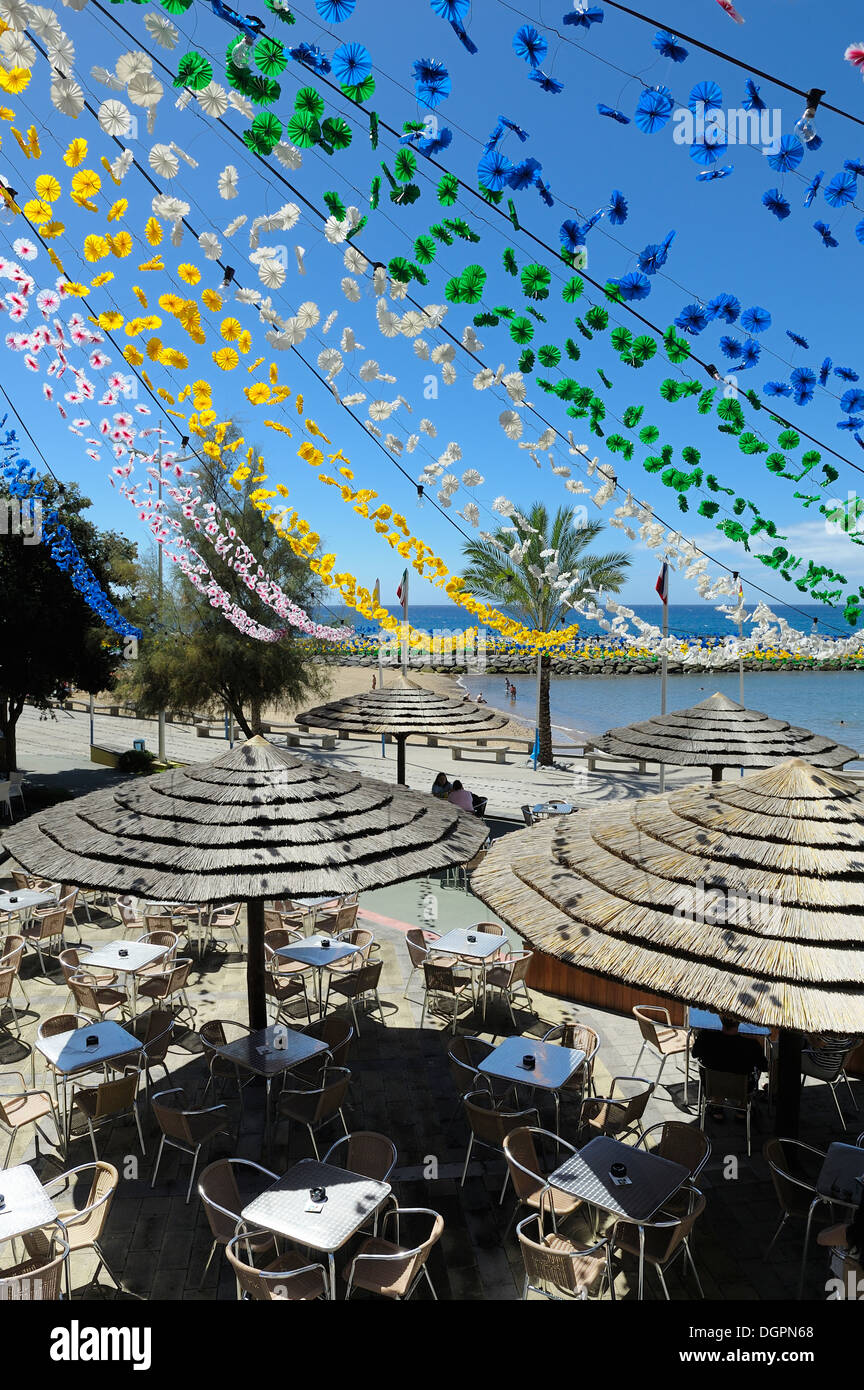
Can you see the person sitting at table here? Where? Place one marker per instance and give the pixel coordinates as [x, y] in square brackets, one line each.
[846, 1240]
[460, 797]
[729, 1051]
[441, 786]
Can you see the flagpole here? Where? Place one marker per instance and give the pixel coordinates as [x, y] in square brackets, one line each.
[376, 595]
[405, 626]
[664, 668]
[741, 646]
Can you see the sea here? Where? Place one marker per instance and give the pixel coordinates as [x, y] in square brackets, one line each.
[827, 702]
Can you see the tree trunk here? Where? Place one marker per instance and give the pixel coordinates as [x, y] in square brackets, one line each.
[255, 716]
[544, 715]
[788, 1083]
[8, 746]
[241, 720]
[256, 997]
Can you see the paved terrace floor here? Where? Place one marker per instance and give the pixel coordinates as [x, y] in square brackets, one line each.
[401, 1086]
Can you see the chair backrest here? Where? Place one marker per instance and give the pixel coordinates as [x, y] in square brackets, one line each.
[159, 922]
[490, 928]
[70, 963]
[577, 1036]
[677, 1230]
[38, 1279]
[794, 1193]
[127, 910]
[161, 938]
[408, 1267]
[224, 914]
[827, 1057]
[489, 1124]
[332, 1093]
[527, 815]
[550, 1260]
[366, 977]
[113, 1097]
[274, 939]
[217, 1188]
[60, 1023]
[628, 1108]
[650, 1017]
[212, 1034]
[48, 925]
[89, 1223]
[418, 942]
[517, 966]
[154, 1029]
[366, 1152]
[336, 1032]
[20, 880]
[440, 979]
[13, 952]
[465, 1054]
[264, 1285]
[67, 897]
[719, 1087]
[85, 993]
[171, 1109]
[361, 937]
[7, 979]
[177, 975]
[681, 1143]
[521, 1154]
[346, 916]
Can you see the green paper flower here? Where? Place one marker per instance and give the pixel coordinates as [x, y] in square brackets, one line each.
[285, 15]
[448, 190]
[621, 339]
[706, 401]
[683, 504]
[362, 91]
[616, 442]
[503, 310]
[472, 280]
[453, 290]
[535, 313]
[613, 293]
[271, 57]
[671, 390]
[509, 262]
[194, 72]
[264, 133]
[690, 455]
[567, 389]
[775, 463]
[709, 509]
[574, 352]
[652, 464]
[526, 361]
[440, 231]
[573, 289]
[176, 6]
[549, 355]
[632, 416]
[732, 413]
[308, 100]
[303, 130]
[405, 165]
[405, 194]
[597, 318]
[644, 347]
[604, 378]
[461, 228]
[424, 249]
[749, 444]
[586, 332]
[335, 206]
[535, 281]
[263, 91]
[490, 195]
[485, 320]
[649, 434]
[521, 330]
[337, 132]
[400, 269]
[375, 192]
[788, 439]
[677, 349]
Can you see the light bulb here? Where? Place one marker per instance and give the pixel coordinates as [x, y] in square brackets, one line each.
[421, 496]
[805, 129]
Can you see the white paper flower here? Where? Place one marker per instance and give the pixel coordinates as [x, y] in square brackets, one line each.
[428, 428]
[67, 96]
[444, 499]
[503, 506]
[235, 226]
[107, 79]
[471, 513]
[379, 279]
[181, 154]
[308, 314]
[471, 478]
[288, 155]
[163, 161]
[369, 370]
[351, 289]
[381, 410]
[331, 362]
[357, 398]
[271, 274]
[161, 30]
[43, 21]
[335, 231]
[115, 118]
[449, 483]
[388, 322]
[299, 253]
[330, 320]
[411, 443]
[228, 182]
[61, 52]
[16, 50]
[398, 289]
[421, 349]
[132, 62]
[210, 245]
[168, 207]
[15, 14]
[470, 340]
[411, 323]
[145, 90]
[121, 165]
[354, 260]
[242, 104]
[435, 314]
[448, 374]
[294, 331]
[248, 296]
[213, 100]
[515, 387]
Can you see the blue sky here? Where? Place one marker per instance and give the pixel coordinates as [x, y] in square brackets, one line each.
[726, 241]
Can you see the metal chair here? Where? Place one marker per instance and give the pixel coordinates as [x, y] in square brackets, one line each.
[164, 985]
[443, 982]
[220, 1196]
[357, 983]
[37, 1279]
[392, 1270]
[680, 1143]
[617, 1115]
[316, 1106]
[725, 1091]
[187, 1128]
[827, 1063]
[284, 980]
[8, 976]
[11, 957]
[94, 998]
[6, 797]
[226, 917]
[215, 1034]
[370, 1154]
[105, 1103]
[49, 927]
[795, 1193]
[659, 1243]
[154, 1030]
[73, 962]
[530, 1174]
[418, 941]
[553, 1260]
[667, 1041]
[578, 1037]
[336, 1032]
[506, 974]
[286, 1277]
[83, 1227]
[490, 1126]
[20, 1107]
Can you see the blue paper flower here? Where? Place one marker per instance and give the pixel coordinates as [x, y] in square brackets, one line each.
[493, 137]
[617, 208]
[786, 154]
[777, 388]
[692, 319]
[803, 395]
[725, 307]
[707, 151]
[824, 231]
[855, 167]
[774, 201]
[654, 109]
[667, 46]
[432, 81]
[604, 110]
[571, 235]
[705, 96]
[546, 83]
[521, 135]
[635, 285]
[813, 188]
[797, 339]
[524, 174]
[853, 423]
[803, 378]
[544, 190]
[583, 19]
[654, 256]
[334, 11]
[352, 64]
[709, 174]
[825, 371]
[311, 56]
[841, 190]
[434, 144]
[752, 99]
[493, 170]
[859, 231]
[750, 354]
[756, 319]
[529, 43]
[845, 373]
[814, 144]
[852, 401]
[448, 9]
[730, 347]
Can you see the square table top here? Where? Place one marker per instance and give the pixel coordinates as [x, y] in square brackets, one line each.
[842, 1174]
[68, 1052]
[28, 1205]
[138, 954]
[311, 952]
[351, 1199]
[653, 1179]
[22, 898]
[553, 1064]
[552, 808]
[456, 943]
[258, 1051]
[704, 1018]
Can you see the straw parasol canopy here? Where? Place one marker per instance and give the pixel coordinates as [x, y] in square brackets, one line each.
[719, 733]
[746, 898]
[256, 823]
[402, 709]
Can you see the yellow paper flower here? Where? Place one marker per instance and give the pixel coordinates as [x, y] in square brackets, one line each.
[198, 336]
[225, 358]
[275, 425]
[50, 230]
[102, 279]
[96, 248]
[73, 287]
[166, 395]
[56, 261]
[132, 355]
[14, 80]
[190, 273]
[211, 450]
[177, 359]
[230, 330]
[171, 303]
[121, 244]
[153, 349]
[118, 209]
[76, 153]
[257, 394]
[189, 314]
[153, 231]
[109, 171]
[310, 454]
[140, 296]
[256, 363]
[207, 418]
[48, 188]
[37, 211]
[110, 320]
[244, 342]
[151, 322]
[211, 300]
[156, 263]
[86, 183]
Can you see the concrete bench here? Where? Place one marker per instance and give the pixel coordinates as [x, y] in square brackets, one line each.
[499, 754]
[594, 758]
[297, 736]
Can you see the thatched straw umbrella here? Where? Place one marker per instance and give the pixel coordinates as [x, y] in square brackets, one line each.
[403, 709]
[745, 898]
[719, 733]
[256, 823]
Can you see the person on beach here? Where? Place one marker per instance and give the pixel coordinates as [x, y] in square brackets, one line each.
[374, 682]
[460, 797]
[506, 685]
[481, 698]
[512, 691]
[441, 786]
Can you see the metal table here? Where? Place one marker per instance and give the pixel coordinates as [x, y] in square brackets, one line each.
[351, 1199]
[472, 946]
[840, 1184]
[552, 808]
[27, 1208]
[553, 1065]
[311, 952]
[125, 958]
[653, 1180]
[68, 1053]
[310, 904]
[22, 901]
[269, 1052]
[703, 1018]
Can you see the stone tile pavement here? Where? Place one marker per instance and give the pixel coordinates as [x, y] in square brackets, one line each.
[401, 1085]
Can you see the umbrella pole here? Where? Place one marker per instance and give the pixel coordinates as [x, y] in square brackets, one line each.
[400, 759]
[788, 1083]
[255, 964]
[716, 772]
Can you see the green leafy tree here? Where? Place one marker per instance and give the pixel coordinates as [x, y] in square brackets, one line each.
[191, 658]
[49, 637]
[526, 589]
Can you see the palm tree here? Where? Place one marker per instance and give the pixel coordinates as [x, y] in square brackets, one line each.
[539, 588]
